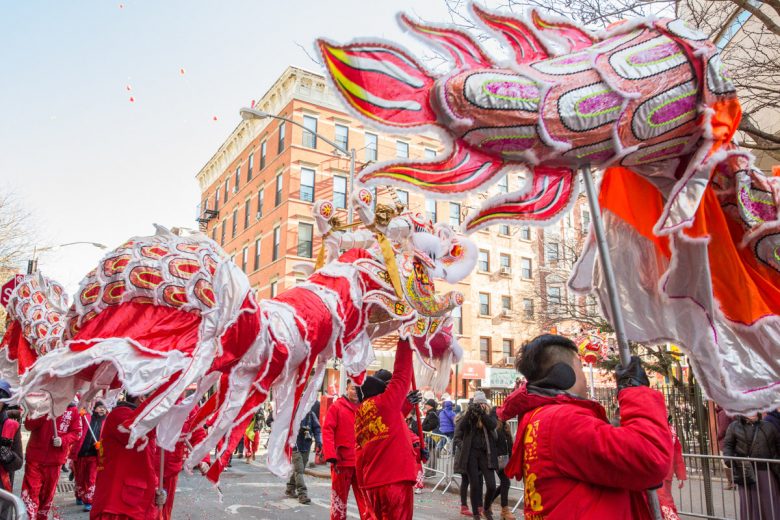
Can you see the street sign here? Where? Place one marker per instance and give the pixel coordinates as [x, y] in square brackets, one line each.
[8, 288]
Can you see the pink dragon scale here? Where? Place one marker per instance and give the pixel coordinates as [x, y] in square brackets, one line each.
[692, 224]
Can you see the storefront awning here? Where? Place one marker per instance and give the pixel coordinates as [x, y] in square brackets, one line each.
[472, 369]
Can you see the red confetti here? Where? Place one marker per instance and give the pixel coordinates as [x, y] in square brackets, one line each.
[182, 71]
[214, 118]
[121, 6]
[128, 88]
[132, 99]
[253, 104]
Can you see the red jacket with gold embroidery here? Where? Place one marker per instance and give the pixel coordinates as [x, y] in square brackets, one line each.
[338, 433]
[575, 464]
[40, 448]
[384, 451]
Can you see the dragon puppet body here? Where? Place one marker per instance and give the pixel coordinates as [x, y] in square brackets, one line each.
[692, 224]
[163, 313]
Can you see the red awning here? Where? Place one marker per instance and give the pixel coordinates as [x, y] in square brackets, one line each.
[470, 369]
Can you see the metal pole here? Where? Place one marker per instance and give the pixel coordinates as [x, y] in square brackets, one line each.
[614, 304]
[592, 383]
[350, 219]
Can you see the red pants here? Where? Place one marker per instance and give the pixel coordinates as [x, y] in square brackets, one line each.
[39, 487]
[392, 501]
[342, 478]
[169, 483]
[666, 501]
[85, 471]
[250, 446]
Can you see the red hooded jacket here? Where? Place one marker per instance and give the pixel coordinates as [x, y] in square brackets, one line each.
[40, 448]
[575, 464]
[338, 432]
[384, 450]
[126, 478]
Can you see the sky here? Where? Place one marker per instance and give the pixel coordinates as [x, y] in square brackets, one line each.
[110, 108]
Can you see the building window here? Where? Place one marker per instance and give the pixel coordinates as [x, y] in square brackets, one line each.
[237, 182]
[305, 237]
[403, 196]
[263, 154]
[234, 227]
[371, 147]
[430, 153]
[585, 219]
[310, 134]
[483, 262]
[257, 254]
[244, 257]
[503, 184]
[250, 166]
[278, 195]
[526, 268]
[551, 251]
[277, 240]
[455, 215]
[430, 210]
[274, 289]
[528, 308]
[484, 304]
[505, 262]
[507, 348]
[214, 233]
[260, 196]
[525, 233]
[506, 303]
[340, 192]
[553, 296]
[401, 149]
[307, 184]
[485, 353]
[457, 320]
[227, 190]
[222, 234]
[216, 199]
[247, 211]
[342, 136]
[503, 229]
[282, 132]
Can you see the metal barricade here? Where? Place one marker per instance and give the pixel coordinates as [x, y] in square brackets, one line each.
[710, 491]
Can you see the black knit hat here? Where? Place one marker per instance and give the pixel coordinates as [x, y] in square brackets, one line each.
[384, 375]
[371, 386]
[431, 403]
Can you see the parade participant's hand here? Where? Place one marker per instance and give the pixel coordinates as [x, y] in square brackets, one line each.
[203, 467]
[424, 454]
[318, 448]
[414, 397]
[681, 484]
[632, 375]
[160, 497]
[56, 442]
[6, 454]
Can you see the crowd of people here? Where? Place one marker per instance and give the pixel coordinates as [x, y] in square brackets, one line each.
[376, 438]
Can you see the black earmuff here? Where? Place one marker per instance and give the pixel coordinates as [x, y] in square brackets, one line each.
[560, 377]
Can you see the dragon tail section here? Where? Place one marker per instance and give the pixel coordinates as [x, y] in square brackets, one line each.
[575, 38]
[551, 192]
[461, 47]
[520, 38]
[380, 82]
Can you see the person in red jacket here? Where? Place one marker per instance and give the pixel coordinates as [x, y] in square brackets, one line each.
[665, 498]
[86, 452]
[174, 462]
[127, 478]
[47, 451]
[386, 465]
[574, 463]
[338, 448]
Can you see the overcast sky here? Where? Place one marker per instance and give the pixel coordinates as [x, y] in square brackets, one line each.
[88, 163]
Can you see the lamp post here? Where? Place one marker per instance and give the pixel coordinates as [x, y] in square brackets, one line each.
[251, 113]
[32, 264]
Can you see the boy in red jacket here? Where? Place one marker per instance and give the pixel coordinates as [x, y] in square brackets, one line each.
[127, 478]
[574, 463]
[338, 448]
[386, 465]
[46, 453]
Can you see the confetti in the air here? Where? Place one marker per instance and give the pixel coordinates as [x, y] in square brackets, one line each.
[214, 118]
[121, 6]
[253, 104]
[128, 88]
[182, 71]
[132, 99]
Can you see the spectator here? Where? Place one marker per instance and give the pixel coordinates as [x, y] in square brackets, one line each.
[773, 418]
[665, 497]
[309, 432]
[504, 448]
[478, 454]
[47, 451]
[573, 462]
[431, 421]
[722, 424]
[464, 476]
[11, 457]
[338, 447]
[85, 463]
[252, 435]
[447, 421]
[756, 481]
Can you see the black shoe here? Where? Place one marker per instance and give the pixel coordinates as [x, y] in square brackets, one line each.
[71, 476]
[303, 499]
[290, 493]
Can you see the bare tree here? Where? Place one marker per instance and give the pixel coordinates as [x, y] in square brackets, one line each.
[748, 31]
[15, 242]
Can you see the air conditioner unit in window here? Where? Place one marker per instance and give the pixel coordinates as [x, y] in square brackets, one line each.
[235, 189]
[510, 361]
[258, 215]
[506, 313]
[506, 270]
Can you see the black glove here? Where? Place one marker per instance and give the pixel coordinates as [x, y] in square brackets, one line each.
[424, 454]
[414, 397]
[632, 375]
[6, 455]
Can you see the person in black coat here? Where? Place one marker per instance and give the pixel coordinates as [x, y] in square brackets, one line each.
[504, 444]
[477, 453]
[431, 421]
[11, 456]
